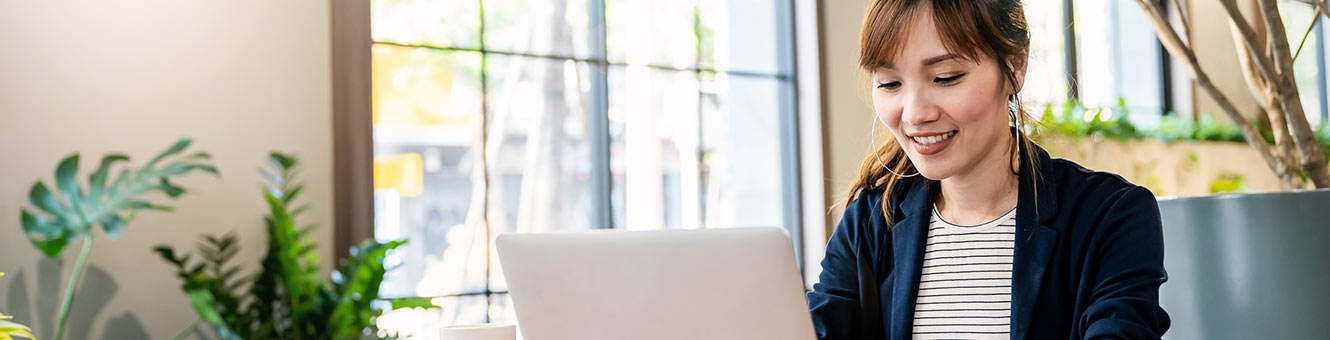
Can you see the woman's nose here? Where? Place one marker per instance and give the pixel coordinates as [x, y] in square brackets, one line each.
[918, 109]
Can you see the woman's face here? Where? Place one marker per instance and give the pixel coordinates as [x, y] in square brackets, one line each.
[947, 112]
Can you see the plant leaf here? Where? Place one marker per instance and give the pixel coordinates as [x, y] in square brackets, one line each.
[77, 214]
[281, 160]
[202, 301]
[169, 189]
[363, 273]
[304, 231]
[272, 178]
[113, 224]
[43, 198]
[197, 268]
[291, 196]
[299, 210]
[179, 145]
[69, 185]
[97, 181]
[209, 169]
[120, 182]
[49, 237]
[167, 253]
[10, 329]
[137, 205]
[182, 168]
[226, 276]
[130, 204]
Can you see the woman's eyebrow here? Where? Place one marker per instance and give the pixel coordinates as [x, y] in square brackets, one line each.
[930, 61]
[938, 59]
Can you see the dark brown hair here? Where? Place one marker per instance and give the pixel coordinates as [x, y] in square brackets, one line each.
[972, 29]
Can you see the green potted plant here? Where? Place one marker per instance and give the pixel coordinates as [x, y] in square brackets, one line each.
[56, 220]
[1247, 266]
[286, 299]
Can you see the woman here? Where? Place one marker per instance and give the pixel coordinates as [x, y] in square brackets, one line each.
[959, 226]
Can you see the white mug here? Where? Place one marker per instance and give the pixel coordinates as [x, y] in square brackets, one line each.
[479, 332]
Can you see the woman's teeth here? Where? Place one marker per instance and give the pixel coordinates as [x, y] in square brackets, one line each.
[934, 139]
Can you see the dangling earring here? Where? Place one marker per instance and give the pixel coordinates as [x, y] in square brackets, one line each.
[1012, 107]
[873, 138]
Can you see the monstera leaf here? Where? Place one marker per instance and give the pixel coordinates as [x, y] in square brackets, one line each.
[58, 221]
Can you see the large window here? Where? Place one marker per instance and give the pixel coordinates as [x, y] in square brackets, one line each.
[494, 116]
[1115, 57]
[1046, 78]
[1096, 52]
[1119, 57]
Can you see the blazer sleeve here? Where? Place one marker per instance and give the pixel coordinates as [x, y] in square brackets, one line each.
[1128, 251]
[844, 303]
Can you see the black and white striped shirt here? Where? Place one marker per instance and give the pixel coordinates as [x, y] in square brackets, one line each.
[965, 288]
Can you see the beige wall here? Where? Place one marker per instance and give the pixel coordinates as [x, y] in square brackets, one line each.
[240, 76]
[1169, 169]
[844, 99]
[1215, 50]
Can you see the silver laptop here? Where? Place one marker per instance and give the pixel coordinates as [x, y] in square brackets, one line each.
[730, 284]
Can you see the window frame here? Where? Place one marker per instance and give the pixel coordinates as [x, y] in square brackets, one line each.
[1072, 61]
[802, 195]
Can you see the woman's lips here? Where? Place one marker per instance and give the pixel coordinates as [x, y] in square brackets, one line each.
[928, 145]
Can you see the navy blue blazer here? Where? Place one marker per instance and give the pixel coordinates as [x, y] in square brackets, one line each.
[1087, 264]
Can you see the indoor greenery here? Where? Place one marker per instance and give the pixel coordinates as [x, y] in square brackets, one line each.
[55, 221]
[286, 299]
[1075, 120]
[10, 329]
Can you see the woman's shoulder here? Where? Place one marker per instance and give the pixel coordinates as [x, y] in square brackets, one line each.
[1088, 188]
[868, 203]
[1071, 175]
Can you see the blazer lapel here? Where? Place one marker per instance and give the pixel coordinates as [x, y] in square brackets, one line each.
[908, 238]
[1035, 243]
[1034, 248]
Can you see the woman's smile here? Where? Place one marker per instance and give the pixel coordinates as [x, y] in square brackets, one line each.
[931, 143]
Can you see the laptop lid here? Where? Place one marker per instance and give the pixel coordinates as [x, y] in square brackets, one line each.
[717, 284]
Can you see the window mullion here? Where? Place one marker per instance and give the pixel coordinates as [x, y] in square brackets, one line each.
[1069, 49]
[791, 200]
[598, 120]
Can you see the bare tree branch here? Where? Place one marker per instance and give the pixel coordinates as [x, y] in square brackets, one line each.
[1175, 46]
[1313, 162]
[1264, 91]
[1249, 39]
[1308, 32]
[1184, 20]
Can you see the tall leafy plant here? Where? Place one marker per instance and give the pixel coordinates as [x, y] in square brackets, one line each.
[286, 299]
[55, 220]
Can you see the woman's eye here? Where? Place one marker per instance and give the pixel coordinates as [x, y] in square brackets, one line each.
[948, 80]
[889, 86]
